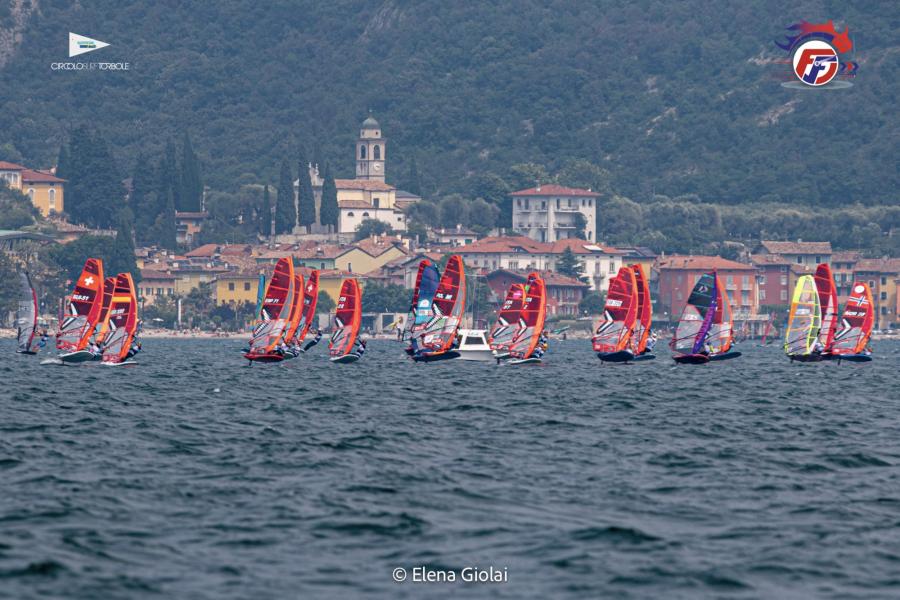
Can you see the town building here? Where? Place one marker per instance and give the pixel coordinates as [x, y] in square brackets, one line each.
[600, 263]
[44, 189]
[678, 274]
[806, 254]
[550, 212]
[454, 237]
[882, 275]
[843, 265]
[563, 293]
[236, 288]
[155, 285]
[775, 280]
[368, 195]
[188, 225]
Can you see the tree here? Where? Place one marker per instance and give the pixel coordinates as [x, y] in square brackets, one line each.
[264, 216]
[580, 226]
[385, 298]
[482, 216]
[413, 184]
[94, 191]
[592, 304]
[167, 227]
[16, 210]
[143, 200]
[370, 227]
[453, 210]
[329, 211]
[324, 303]
[569, 265]
[306, 198]
[285, 209]
[191, 190]
[122, 259]
[62, 161]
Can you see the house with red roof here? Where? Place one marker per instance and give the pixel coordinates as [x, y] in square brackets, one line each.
[552, 212]
[678, 274]
[43, 188]
[563, 293]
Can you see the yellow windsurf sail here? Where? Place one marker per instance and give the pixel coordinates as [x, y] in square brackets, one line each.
[805, 318]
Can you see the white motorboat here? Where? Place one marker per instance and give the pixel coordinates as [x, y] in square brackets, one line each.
[473, 345]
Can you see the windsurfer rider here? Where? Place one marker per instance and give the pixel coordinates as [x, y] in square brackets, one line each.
[44, 338]
[360, 348]
[542, 345]
[818, 347]
[313, 341]
[651, 342]
[134, 350]
[95, 349]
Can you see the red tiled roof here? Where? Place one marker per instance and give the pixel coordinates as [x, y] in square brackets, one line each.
[8, 166]
[503, 245]
[581, 247]
[150, 274]
[206, 250]
[39, 177]
[236, 250]
[362, 184]
[797, 247]
[846, 256]
[551, 189]
[761, 260]
[702, 263]
[877, 265]
[354, 204]
[551, 279]
[373, 248]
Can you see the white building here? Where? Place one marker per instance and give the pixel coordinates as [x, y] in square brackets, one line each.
[548, 213]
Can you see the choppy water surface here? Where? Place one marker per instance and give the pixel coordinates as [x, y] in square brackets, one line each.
[193, 476]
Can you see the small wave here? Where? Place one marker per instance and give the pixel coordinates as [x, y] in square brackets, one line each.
[44, 568]
[614, 534]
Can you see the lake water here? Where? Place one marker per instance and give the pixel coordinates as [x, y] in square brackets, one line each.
[194, 476]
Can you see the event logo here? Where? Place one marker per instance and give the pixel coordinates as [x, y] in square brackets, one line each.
[816, 50]
[79, 44]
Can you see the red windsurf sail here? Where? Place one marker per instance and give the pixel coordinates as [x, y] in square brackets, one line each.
[438, 334]
[856, 322]
[829, 303]
[102, 328]
[508, 318]
[123, 320]
[83, 308]
[296, 310]
[721, 330]
[644, 310]
[275, 311]
[531, 319]
[308, 312]
[616, 325]
[347, 319]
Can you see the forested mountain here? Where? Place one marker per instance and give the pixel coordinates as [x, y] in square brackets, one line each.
[640, 98]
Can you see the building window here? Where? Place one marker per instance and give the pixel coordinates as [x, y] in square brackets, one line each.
[679, 294]
[231, 287]
[818, 259]
[762, 280]
[31, 194]
[362, 152]
[365, 214]
[377, 201]
[399, 219]
[799, 260]
[246, 286]
[557, 203]
[729, 280]
[783, 295]
[350, 214]
[784, 280]
[377, 152]
[884, 295]
[52, 196]
[884, 281]
[746, 280]
[159, 292]
[762, 294]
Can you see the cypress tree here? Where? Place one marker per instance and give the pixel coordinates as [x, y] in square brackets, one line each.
[62, 162]
[307, 199]
[414, 185]
[168, 232]
[285, 210]
[94, 193]
[122, 259]
[191, 185]
[329, 212]
[264, 217]
[169, 177]
[143, 201]
[569, 265]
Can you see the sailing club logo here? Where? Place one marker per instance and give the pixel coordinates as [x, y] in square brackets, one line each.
[816, 51]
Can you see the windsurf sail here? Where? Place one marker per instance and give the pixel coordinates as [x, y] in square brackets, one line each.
[427, 281]
[276, 310]
[437, 334]
[296, 310]
[531, 319]
[721, 330]
[696, 318]
[347, 319]
[83, 308]
[644, 310]
[123, 320]
[829, 305]
[508, 318]
[857, 322]
[260, 294]
[617, 323]
[102, 327]
[26, 314]
[805, 318]
[310, 298]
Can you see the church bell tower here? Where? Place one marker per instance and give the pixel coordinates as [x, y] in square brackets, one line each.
[371, 150]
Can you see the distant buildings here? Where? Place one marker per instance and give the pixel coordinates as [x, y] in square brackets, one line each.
[563, 293]
[44, 189]
[678, 274]
[807, 254]
[550, 212]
